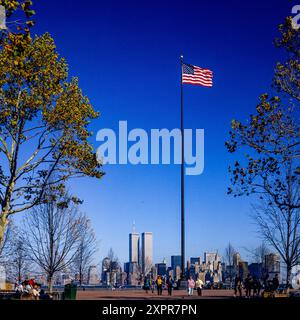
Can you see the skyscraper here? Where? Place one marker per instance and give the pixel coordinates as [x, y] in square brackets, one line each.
[147, 252]
[236, 259]
[195, 260]
[134, 247]
[161, 269]
[210, 257]
[93, 278]
[272, 264]
[175, 261]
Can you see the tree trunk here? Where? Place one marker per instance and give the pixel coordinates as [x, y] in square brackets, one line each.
[288, 274]
[3, 224]
[50, 283]
[19, 275]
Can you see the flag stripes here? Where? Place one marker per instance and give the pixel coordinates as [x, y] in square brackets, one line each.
[196, 75]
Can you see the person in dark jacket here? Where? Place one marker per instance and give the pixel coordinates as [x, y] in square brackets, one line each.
[45, 296]
[170, 284]
[248, 285]
[275, 282]
[265, 281]
[259, 287]
[256, 287]
[146, 284]
[238, 285]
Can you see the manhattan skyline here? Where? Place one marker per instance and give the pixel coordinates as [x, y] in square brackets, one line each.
[127, 60]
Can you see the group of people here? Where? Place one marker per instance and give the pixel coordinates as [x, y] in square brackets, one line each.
[159, 283]
[170, 284]
[253, 286]
[30, 290]
[150, 284]
[192, 284]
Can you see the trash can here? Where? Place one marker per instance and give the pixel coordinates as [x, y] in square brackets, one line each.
[70, 291]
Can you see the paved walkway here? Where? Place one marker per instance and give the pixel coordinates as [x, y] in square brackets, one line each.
[142, 295]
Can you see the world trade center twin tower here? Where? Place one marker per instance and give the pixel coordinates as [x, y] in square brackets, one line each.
[142, 255]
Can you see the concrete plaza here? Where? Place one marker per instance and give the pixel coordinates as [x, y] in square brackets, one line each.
[142, 295]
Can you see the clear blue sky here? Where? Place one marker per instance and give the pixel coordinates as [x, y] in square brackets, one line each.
[126, 55]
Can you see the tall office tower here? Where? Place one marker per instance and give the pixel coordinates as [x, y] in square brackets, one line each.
[195, 260]
[272, 264]
[93, 278]
[147, 252]
[236, 259]
[134, 247]
[210, 257]
[175, 261]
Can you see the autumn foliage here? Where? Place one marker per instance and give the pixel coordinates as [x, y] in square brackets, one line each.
[44, 119]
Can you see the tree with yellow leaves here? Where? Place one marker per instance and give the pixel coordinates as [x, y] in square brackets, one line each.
[44, 119]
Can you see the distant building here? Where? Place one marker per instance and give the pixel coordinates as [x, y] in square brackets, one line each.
[93, 278]
[126, 267]
[210, 257]
[105, 263]
[161, 269]
[211, 260]
[177, 274]
[154, 272]
[243, 269]
[175, 261]
[272, 264]
[133, 273]
[110, 271]
[236, 259]
[62, 278]
[224, 271]
[122, 278]
[130, 267]
[134, 279]
[230, 272]
[147, 252]
[201, 275]
[195, 260]
[191, 271]
[188, 267]
[170, 273]
[105, 269]
[134, 247]
[193, 266]
[256, 270]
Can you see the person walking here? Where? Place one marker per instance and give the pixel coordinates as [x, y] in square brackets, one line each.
[199, 284]
[248, 285]
[266, 281]
[152, 285]
[146, 284]
[170, 284]
[275, 282]
[159, 284]
[191, 286]
[255, 287]
[259, 287]
[238, 286]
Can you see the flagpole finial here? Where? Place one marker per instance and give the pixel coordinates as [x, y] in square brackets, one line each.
[181, 59]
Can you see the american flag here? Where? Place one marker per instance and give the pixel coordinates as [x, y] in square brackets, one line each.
[196, 75]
